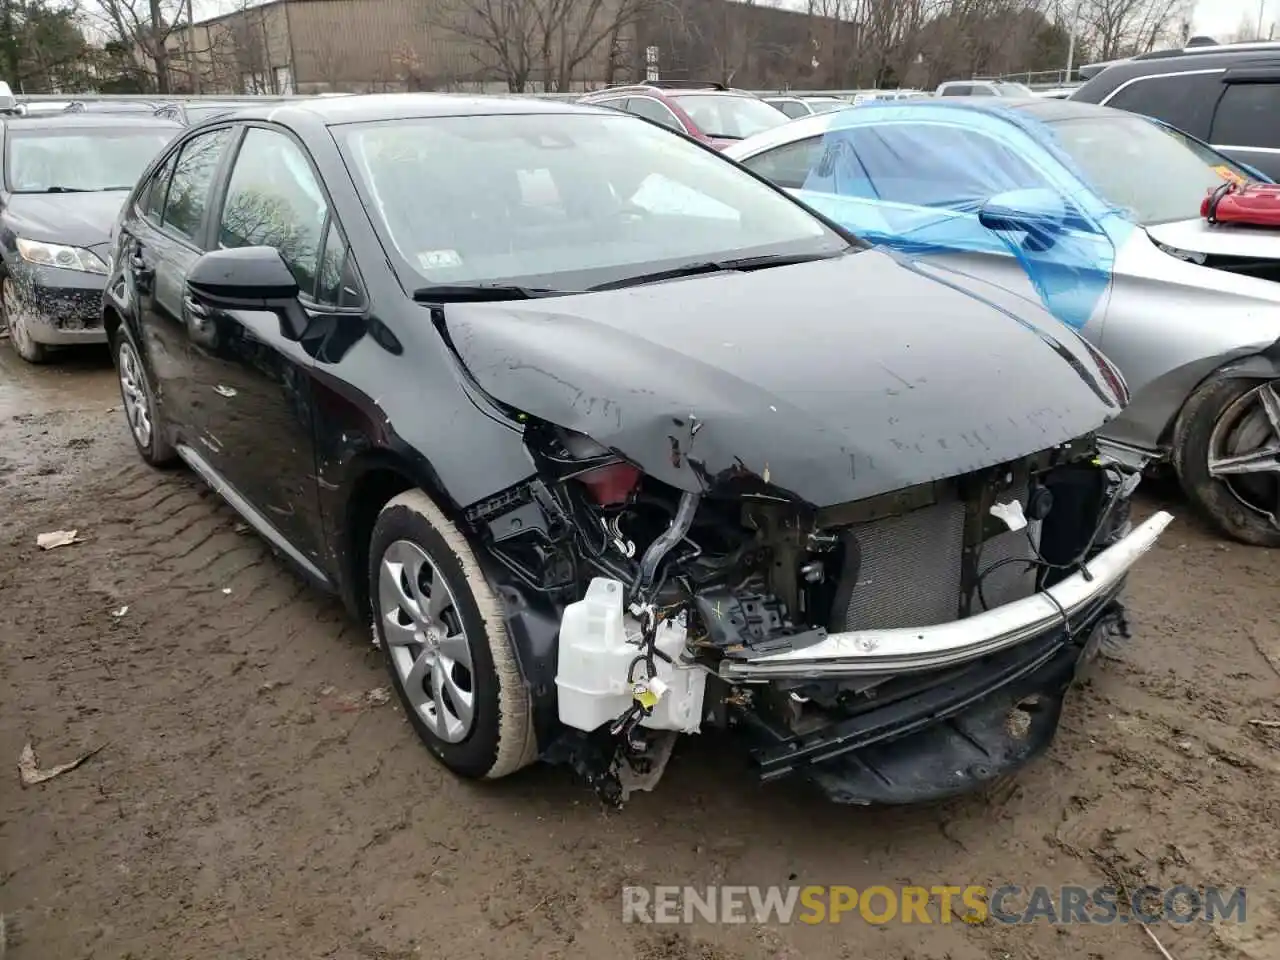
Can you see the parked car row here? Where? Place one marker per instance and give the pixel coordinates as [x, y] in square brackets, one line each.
[615, 435]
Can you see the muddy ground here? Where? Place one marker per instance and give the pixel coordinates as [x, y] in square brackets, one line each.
[250, 801]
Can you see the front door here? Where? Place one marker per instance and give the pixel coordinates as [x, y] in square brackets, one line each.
[253, 381]
[160, 243]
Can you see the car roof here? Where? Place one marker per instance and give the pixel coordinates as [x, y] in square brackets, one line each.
[647, 90]
[1178, 61]
[60, 121]
[1036, 109]
[361, 108]
[1044, 109]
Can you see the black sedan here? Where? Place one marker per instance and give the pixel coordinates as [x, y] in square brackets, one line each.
[611, 441]
[64, 180]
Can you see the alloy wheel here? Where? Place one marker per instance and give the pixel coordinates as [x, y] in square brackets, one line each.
[426, 640]
[1244, 449]
[137, 402]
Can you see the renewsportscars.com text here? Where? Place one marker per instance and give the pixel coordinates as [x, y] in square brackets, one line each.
[880, 905]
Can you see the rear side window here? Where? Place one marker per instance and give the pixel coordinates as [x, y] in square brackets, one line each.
[1185, 102]
[192, 182]
[957, 90]
[1247, 115]
[151, 203]
[653, 110]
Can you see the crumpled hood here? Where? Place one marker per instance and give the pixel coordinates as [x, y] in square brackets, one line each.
[77, 219]
[834, 380]
[1200, 236]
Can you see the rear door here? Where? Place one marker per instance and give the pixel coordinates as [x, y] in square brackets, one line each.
[160, 242]
[1246, 123]
[255, 382]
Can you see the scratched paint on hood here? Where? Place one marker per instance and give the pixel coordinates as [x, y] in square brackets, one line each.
[835, 380]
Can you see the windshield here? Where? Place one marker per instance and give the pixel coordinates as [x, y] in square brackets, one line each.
[564, 201]
[827, 106]
[1008, 89]
[729, 117]
[44, 161]
[1154, 172]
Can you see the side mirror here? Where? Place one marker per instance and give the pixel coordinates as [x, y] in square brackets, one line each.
[1032, 211]
[250, 278]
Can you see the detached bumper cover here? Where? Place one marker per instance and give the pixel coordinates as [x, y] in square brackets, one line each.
[880, 652]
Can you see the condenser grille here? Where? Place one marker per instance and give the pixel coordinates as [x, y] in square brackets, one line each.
[910, 569]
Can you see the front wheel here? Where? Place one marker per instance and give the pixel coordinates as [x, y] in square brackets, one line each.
[19, 330]
[442, 630]
[1227, 456]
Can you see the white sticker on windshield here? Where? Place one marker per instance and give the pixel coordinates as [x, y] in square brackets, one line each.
[439, 259]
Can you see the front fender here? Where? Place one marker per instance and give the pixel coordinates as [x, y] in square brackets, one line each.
[1259, 366]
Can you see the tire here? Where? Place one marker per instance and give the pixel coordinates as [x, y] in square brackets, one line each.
[138, 397]
[1217, 415]
[19, 335]
[454, 669]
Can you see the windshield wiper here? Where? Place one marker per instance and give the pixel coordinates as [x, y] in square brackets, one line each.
[739, 264]
[480, 292]
[67, 190]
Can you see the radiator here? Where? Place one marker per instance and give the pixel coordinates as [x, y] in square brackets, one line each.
[909, 569]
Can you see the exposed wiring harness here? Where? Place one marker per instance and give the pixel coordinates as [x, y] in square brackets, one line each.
[1120, 488]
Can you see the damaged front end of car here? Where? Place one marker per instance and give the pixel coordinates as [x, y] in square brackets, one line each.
[892, 631]
[896, 649]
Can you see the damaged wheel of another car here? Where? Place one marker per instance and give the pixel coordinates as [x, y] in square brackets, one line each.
[442, 630]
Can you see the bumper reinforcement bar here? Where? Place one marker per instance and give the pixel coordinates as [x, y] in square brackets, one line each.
[863, 652]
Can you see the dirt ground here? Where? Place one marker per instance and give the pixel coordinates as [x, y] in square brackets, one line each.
[250, 800]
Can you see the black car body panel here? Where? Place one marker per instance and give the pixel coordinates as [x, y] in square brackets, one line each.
[703, 381]
[863, 386]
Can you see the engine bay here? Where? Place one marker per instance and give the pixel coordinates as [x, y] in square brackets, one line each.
[655, 590]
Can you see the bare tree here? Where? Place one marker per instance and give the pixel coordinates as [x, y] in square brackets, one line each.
[1118, 28]
[546, 42]
[141, 26]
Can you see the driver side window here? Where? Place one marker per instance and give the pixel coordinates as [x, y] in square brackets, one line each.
[273, 199]
[922, 165]
[788, 165]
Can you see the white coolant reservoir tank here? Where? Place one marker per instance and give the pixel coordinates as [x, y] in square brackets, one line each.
[598, 643]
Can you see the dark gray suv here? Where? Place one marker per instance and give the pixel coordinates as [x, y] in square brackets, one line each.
[1227, 95]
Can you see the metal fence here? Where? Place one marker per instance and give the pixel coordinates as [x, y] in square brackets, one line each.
[851, 95]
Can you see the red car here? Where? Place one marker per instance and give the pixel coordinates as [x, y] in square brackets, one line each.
[710, 112]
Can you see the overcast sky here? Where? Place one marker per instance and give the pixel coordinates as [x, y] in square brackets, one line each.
[1220, 18]
[1217, 18]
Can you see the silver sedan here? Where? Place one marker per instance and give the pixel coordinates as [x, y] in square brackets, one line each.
[1095, 213]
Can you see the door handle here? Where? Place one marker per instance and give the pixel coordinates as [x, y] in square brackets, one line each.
[195, 307]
